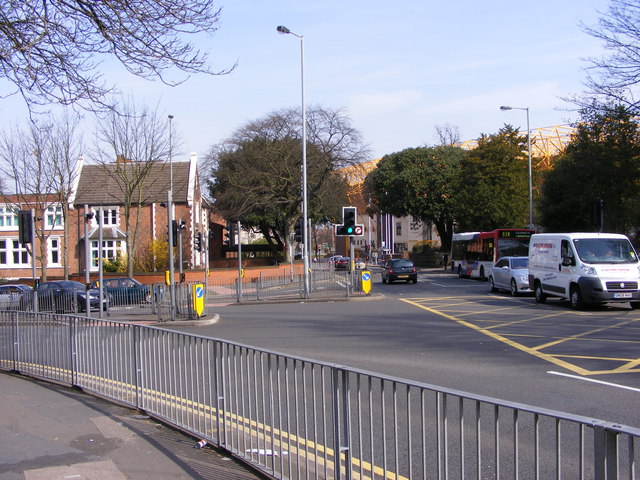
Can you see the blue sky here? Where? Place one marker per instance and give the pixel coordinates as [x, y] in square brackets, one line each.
[397, 70]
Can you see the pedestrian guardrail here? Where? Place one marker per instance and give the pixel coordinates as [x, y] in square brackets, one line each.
[295, 418]
[323, 283]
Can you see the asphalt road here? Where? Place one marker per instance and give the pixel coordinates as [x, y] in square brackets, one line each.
[453, 333]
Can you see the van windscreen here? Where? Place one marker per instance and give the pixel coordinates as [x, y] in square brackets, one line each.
[605, 250]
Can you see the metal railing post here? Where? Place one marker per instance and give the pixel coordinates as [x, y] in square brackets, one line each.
[605, 453]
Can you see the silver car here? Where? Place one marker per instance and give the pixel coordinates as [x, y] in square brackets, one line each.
[510, 273]
[10, 295]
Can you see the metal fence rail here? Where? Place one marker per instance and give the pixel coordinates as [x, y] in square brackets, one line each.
[295, 418]
[323, 283]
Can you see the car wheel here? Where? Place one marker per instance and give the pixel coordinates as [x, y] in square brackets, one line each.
[492, 285]
[635, 305]
[575, 297]
[541, 297]
[389, 281]
[514, 287]
[415, 280]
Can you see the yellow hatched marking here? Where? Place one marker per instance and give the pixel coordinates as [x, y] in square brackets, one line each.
[496, 336]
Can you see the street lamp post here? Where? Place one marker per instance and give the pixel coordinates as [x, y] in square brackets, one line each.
[172, 293]
[526, 109]
[305, 228]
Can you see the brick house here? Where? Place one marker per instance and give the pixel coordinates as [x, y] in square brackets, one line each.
[103, 188]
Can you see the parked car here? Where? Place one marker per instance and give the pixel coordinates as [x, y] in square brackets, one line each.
[510, 273]
[10, 295]
[343, 263]
[64, 296]
[125, 291]
[399, 269]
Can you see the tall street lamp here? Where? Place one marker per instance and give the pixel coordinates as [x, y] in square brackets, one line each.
[172, 293]
[526, 109]
[305, 224]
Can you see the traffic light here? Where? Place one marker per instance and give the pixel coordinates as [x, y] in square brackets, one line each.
[298, 231]
[228, 235]
[197, 242]
[349, 220]
[25, 226]
[349, 226]
[174, 231]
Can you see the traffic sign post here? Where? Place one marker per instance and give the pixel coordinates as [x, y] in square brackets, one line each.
[365, 277]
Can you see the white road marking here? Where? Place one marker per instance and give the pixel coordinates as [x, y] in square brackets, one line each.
[609, 384]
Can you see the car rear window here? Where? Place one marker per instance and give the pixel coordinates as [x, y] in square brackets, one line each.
[402, 263]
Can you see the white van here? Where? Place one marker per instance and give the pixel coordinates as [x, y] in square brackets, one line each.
[585, 268]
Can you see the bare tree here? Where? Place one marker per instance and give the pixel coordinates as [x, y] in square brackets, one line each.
[131, 146]
[615, 77]
[41, 165]
[255, 176]
[52, 50]
[447, 134]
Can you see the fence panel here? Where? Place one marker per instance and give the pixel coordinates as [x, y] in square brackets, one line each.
[297, 419]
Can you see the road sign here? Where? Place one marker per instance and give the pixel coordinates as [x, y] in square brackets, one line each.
[366, 281]
[198, 299]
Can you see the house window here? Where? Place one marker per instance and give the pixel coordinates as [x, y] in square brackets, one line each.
[20, 256]
[54, 251]
[53, 217]
[8, 218]
[13, 253]
[398, 228]
[110, 250]
[110, 216]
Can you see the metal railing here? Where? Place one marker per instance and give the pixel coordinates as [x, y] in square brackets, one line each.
[295, 418]
[323, 283]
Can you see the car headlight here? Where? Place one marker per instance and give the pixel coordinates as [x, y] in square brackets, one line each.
[587, 270]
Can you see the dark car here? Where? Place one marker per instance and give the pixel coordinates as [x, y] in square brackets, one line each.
[399, 269]
[125, 291]
[64, 296]
[343, 263]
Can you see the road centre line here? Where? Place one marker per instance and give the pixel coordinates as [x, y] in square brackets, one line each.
[593, 380]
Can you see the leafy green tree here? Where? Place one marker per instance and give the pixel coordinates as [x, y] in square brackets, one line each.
[602, 161]
[255, 176]
[492, 186]
[418, 182]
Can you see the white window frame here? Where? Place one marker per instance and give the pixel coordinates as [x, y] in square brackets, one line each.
[8, 218]
[53, 217]
[110, 250]
[110, 216]
[54, 250]
[10, 251]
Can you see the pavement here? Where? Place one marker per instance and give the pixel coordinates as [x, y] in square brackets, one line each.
[52, 432]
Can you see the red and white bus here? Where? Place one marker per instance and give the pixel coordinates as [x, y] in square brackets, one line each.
[474, 253]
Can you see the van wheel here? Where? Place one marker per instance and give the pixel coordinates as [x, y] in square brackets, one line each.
[482, 277]
[514, 288]
[541, 297]
[575, 297]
